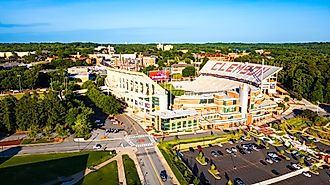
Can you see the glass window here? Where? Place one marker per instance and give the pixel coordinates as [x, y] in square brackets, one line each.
[210, 101]
[234, 102]
[203, 101]
[185, 123]
[173, 125]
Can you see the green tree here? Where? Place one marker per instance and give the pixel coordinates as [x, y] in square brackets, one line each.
[7, 114]
[189, 71]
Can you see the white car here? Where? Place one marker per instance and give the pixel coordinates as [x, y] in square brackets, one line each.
[306, 174]
[269, 161]
[296, 166]
[233, 149]
[220, 145]
[272, 155]
[228, 151]
[255, 148]
[97, 146]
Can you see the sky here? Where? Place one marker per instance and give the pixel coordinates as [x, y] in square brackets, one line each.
[164, 21]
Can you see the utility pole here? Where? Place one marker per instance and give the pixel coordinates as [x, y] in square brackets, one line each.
[19, 82]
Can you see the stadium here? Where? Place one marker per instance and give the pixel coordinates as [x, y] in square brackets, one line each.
[224, 95]
[230, 94]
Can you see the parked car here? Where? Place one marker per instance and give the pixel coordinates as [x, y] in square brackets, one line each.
[290, 167]
[210, 145]
[219, 152]
[275, 172]
[275, 159]
[271, 154]
[263, 162]
[296, 166]
[214, 154]
[238, 181]
[163, 175]
[229, 151]
[269, 161]
[233, 149]
[220, 145]
[306, 174]
[97, 146]
[199, 148]
[191, 149]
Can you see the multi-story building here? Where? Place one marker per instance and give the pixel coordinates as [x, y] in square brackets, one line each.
[178, 120]
[136, 89]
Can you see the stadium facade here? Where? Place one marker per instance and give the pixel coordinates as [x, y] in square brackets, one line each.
[224, 95]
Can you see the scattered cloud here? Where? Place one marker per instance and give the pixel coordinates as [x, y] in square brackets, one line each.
[14, 25]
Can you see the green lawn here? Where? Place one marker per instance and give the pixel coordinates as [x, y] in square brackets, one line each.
[106, 175]
[132, 177]
[41, 168]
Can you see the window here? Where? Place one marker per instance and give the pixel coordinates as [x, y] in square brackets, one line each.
[203, 101]
[185, 123]
[179, 124]
[173, 125]
[195, 123]
[224, 102]
[234, 102]
[210, 101]
[252, 106]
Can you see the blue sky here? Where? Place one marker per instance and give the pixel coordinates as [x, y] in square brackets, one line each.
[144, 21]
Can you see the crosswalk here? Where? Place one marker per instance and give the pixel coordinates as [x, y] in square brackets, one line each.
[133, 140]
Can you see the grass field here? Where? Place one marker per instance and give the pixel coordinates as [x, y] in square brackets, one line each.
[106, 175]
[132, 177]
[39, 169]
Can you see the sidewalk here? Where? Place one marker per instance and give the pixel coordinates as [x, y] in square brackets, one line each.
[282, 177]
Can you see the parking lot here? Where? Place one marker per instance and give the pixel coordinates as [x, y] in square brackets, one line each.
[250, 167]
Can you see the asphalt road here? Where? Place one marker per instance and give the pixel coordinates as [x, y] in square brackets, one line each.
[61, 147]
[148, 159]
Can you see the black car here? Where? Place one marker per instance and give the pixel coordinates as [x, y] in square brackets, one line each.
[219, 152]
[238, 181]
[275, 172]
[163, 175]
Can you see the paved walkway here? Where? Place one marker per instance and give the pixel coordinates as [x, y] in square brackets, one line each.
[282, 177]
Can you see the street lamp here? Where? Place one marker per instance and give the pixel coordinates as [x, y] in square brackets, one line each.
[19, 81]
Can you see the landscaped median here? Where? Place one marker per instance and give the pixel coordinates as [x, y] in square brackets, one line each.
[179, 168]
[214, 171]
[43, 168]
[132, 177]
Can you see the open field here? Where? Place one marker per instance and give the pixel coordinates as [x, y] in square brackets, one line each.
[38, 169]
[106, 175]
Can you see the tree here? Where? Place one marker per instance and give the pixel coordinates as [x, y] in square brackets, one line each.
[205, 59]
[7, 114]
[189, 71]
[317, 93]
[286, 99]
[100, 81]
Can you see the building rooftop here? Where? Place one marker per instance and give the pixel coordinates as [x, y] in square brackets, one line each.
[240, 71]
[174, 114]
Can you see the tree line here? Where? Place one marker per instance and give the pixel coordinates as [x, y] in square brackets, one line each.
[108, 104]
[45, 115]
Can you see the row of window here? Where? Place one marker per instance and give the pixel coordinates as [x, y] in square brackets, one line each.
[179, 125]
